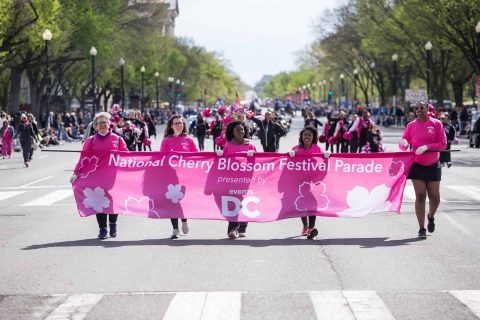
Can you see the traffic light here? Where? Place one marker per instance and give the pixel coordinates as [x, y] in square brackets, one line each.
[330, 93]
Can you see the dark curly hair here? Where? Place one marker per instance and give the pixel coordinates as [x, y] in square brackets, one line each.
[229, 130]
[169, 126]
[313, 130]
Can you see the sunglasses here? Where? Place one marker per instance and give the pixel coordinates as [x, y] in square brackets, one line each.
[420, 108]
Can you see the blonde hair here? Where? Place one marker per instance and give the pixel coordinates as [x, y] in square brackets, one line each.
[105, 115]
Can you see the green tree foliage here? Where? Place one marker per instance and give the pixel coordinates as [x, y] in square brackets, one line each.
[117, 29]
[362, 32]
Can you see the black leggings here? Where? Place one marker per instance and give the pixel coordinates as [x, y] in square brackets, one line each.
[239, 226]
[175, 222]
[102, 219]
[311, 221]
[201, 140]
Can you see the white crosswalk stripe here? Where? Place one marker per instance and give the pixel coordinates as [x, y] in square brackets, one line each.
[331, 305]
[470, 298]
[49, 198]
[9, 194]
[75, 307]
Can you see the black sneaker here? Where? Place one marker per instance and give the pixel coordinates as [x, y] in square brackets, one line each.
[103, 233]
[312, 234]
[422, 233]
[113, 230]
[431, 224]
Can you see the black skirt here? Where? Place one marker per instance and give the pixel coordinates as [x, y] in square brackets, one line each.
[426, 173]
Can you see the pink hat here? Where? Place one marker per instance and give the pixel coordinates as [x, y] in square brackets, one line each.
[115, 108]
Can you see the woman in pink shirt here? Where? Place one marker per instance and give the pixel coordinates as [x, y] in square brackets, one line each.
[6, 133]
[103, 140]
[236, 134]
[425, 133]
[307, 144]
[177, 139]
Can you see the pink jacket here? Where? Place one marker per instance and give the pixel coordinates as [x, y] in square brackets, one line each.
[180, 143]
[109, 142]
[235, 148]
[429, 133]
[315, 148]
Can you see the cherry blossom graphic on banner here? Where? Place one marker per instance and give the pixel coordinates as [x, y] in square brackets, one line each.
[262, 188]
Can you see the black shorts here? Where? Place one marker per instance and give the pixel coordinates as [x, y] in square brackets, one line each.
[426, 173]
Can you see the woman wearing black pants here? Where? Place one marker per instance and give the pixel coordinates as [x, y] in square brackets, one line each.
[26, 135]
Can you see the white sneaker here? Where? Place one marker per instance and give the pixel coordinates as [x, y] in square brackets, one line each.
[233, 234]
[242, 234]
[184, 227]
[175, 234]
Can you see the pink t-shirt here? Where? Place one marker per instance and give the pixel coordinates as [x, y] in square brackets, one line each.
[314, 148]
[235, 148]
[181, 144]
[109, 142]
[429, 133]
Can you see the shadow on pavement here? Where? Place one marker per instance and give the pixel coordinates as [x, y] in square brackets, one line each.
[292, 241]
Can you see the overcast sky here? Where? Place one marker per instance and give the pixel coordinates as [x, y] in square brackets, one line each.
[257, 36]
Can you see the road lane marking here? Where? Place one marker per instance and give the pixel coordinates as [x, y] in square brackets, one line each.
[331, 305]
[222, 306]
[36, 181]
[9, 194]
[367, 305]
[49, 198]
[470, 191]
[75, 307]
[186, 305]
[470, 298]
[409, 192]
[66, 186]
[455, 223]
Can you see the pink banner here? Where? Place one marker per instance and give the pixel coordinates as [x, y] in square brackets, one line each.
[265, 187]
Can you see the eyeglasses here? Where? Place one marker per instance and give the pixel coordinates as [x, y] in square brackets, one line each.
[177, 123]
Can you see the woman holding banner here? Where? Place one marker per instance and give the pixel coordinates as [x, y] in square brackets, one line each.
[307, 145]
[103, 140]
[425, 134]
[177, 139]
[237, 141]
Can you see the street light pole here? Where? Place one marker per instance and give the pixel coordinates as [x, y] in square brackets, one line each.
[372, 66]
[394, 80]
[47, 36]
[428, 49]
[156, 89]
[355, 78]
[342, 89]
[121, 63]
[170, 85]
[142, 93]
[93, 53]
[477, 34]
[325, 91]
[177, 89]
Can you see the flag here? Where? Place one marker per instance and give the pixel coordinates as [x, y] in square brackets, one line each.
[237, 98]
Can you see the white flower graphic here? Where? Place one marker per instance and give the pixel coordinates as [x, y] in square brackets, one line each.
[174, 193]
[361, 202]
[88, 165]
[95, 199]
[311, 193]
[143, 206]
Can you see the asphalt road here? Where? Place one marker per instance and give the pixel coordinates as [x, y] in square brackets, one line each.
[53, 267]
